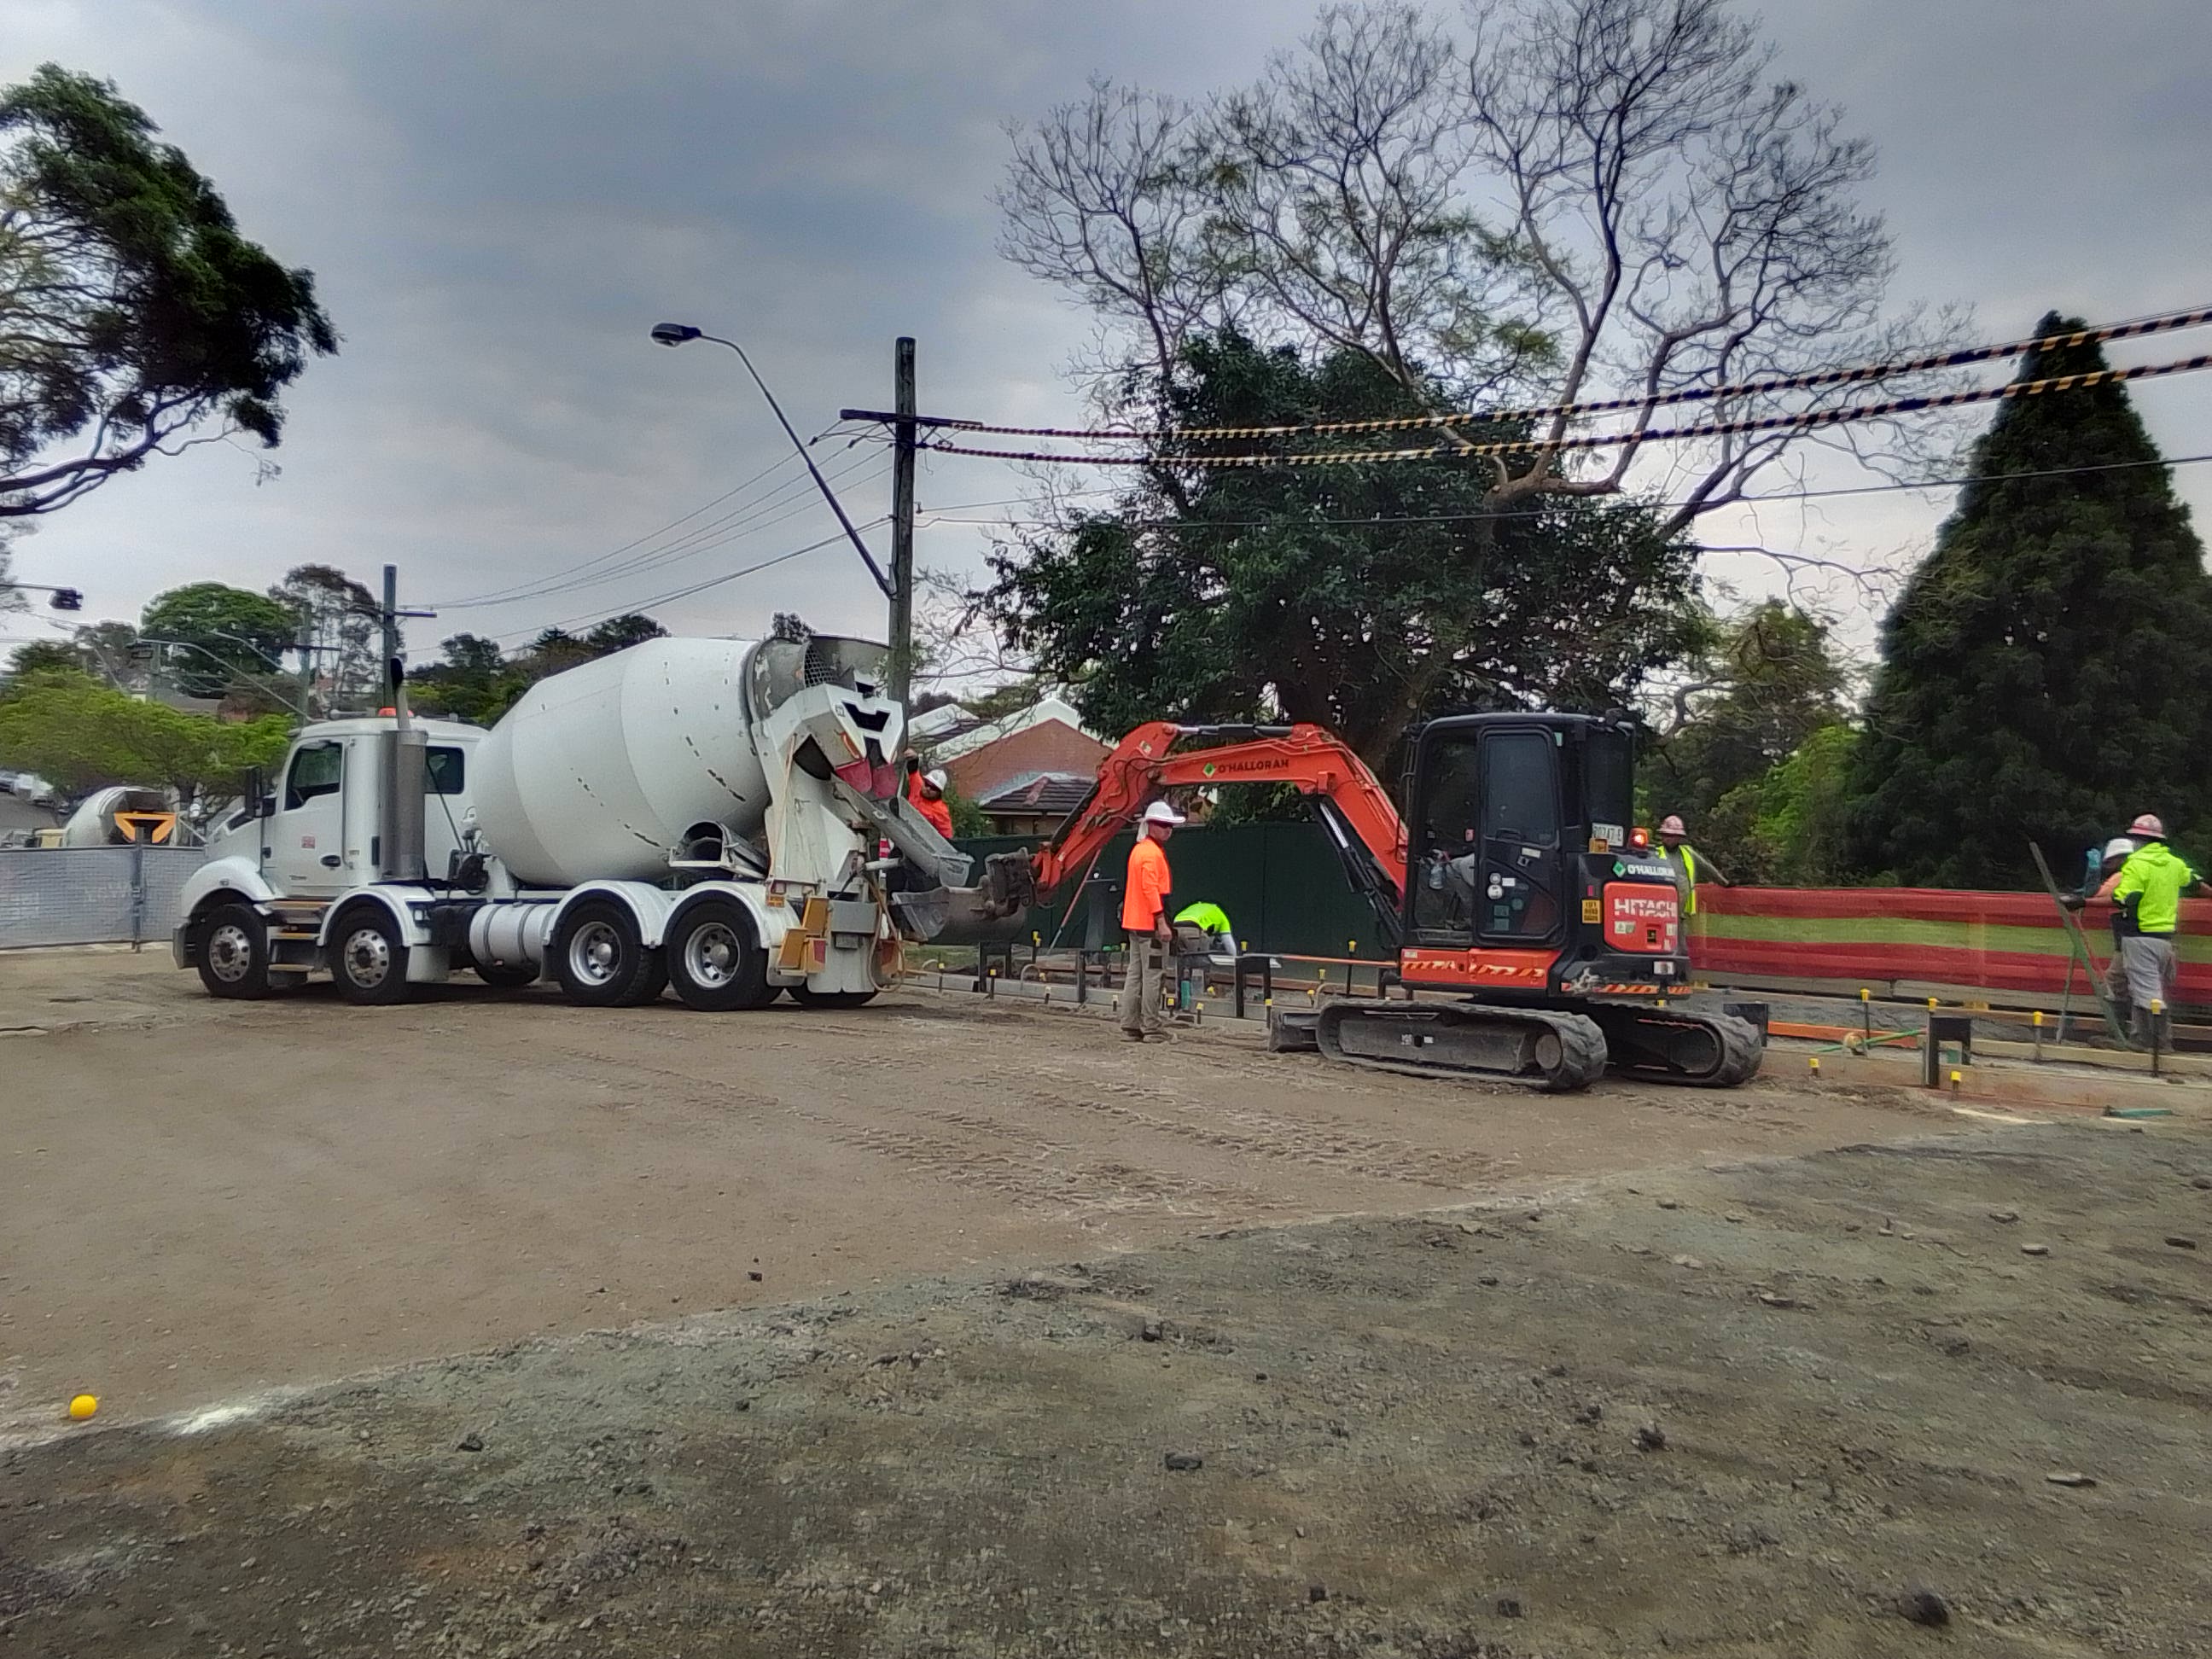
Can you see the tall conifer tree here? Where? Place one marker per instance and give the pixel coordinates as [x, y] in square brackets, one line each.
[2047, 673]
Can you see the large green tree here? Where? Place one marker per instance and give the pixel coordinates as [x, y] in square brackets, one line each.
[132, 310]
[1764, 681]
[221, 640]
[67, 726]
[1361, 597]
[2044, 673]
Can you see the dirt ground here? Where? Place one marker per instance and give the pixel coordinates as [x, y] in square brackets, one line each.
[1059, 1346]
[202, 1200]
[1811, 1407]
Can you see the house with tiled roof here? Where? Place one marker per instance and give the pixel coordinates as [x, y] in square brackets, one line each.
[1027, 770]
[1035, 803]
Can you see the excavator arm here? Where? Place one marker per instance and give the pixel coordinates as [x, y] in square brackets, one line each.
[1158, 755]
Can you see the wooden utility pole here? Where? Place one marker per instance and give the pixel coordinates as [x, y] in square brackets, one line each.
[903, 454]
[307, 667]
[391, 620]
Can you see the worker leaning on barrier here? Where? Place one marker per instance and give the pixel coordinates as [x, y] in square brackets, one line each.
[2148, 894]
[2101, 874]
[1690, 869]
[1145, 919]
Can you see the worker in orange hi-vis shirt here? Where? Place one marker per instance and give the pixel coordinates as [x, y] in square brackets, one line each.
[924, 792]
[1144, 918]
[932, 804]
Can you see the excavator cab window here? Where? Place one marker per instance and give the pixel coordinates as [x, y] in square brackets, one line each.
[1486, 860]
[1609, 783]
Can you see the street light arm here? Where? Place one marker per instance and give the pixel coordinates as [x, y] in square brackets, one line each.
[821, 483]
[261, 684]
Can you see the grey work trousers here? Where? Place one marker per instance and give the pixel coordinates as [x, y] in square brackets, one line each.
[2152, 971]
[1140, 987]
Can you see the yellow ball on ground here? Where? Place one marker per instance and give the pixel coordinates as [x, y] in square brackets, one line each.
[84, 1405]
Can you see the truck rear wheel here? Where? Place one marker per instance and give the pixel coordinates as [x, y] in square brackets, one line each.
[601, 960]
[715, 960]
[369, 956]
[234, 952]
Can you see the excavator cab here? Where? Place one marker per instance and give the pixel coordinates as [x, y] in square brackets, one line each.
[1520, 877]
[1525, 895]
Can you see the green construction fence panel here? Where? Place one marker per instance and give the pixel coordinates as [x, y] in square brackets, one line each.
[1282, 884]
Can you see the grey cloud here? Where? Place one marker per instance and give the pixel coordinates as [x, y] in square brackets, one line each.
[499, 199]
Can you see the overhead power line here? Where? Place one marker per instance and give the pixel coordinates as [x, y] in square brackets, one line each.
[1802, 420]
[762, 511]
[2135, 328]
[797, 500]
[674, 594]
[600, 558]
[1769, 498]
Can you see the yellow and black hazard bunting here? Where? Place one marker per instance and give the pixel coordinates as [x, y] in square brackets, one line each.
[1453, 449]
[2166, 324]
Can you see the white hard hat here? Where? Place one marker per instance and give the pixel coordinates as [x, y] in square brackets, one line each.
[2117, 848]
[1160, 813]
[1672, 825]
[936, 780]
[2148, 824]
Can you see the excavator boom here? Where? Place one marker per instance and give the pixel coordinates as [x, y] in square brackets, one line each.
[1160, 755]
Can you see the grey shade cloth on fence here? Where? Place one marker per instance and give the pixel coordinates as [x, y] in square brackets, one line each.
[92, 895]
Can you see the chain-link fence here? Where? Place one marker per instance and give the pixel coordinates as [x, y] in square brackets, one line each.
[92, 895]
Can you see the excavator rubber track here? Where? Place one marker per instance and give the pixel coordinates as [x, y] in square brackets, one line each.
[1550, 1051]
[1655, 1044]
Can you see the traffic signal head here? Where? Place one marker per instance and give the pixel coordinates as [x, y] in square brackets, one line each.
[67, 599]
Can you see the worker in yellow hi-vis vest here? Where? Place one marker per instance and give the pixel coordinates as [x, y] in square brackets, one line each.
[1689, 869]
[2148, 894]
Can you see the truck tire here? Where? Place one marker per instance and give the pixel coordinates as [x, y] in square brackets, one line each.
[369, 956]
[810, 999]
[601, 959]
[234, 952]
[506, 976]
[714, 958]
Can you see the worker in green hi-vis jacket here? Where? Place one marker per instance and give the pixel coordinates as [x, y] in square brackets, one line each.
[1214, 921]
[2148, 896]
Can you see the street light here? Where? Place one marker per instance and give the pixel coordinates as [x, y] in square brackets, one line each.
[677, 334]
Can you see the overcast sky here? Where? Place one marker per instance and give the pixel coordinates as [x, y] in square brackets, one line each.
[498, 199]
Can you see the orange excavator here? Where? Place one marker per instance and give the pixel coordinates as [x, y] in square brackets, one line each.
[1513, 880]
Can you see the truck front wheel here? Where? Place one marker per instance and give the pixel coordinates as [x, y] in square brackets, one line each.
[715, 961]
[601, 959]
[234, 952]
[368, 958]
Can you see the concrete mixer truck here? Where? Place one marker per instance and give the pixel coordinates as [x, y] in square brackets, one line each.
[723, 817]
